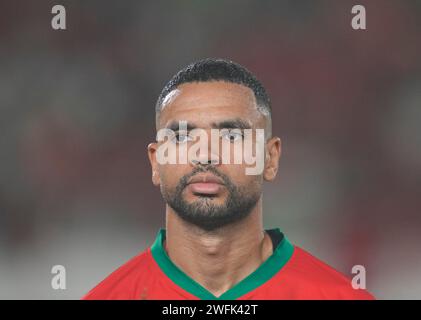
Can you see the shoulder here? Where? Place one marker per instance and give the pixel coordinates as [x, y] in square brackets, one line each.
[306, 273]
[121, 284]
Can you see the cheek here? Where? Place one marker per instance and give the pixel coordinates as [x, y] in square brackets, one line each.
[237, 175]
[170, 175]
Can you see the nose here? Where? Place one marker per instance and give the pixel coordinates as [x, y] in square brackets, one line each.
[205, 159]
[206, 154]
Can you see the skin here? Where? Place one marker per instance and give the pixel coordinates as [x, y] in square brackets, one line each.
[219, 258]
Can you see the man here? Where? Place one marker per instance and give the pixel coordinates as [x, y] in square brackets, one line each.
[214, 245]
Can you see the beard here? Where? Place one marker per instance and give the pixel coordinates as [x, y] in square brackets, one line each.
[204, 212]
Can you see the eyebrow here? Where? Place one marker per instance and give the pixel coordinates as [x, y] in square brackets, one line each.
[236, 123]
[232, 124]
[175, 126]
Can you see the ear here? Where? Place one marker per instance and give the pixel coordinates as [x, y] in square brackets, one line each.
[152, 147]
[273, 154]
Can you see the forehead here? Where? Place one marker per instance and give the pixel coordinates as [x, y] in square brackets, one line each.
[207, 102]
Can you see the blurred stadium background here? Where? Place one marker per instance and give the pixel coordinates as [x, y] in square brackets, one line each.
[77, 112]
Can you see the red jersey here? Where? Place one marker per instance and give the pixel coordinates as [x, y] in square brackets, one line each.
[289, 273]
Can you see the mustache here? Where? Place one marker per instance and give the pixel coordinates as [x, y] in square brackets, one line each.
[184, 180]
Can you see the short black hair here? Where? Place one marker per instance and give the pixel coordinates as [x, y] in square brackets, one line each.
[211, 69]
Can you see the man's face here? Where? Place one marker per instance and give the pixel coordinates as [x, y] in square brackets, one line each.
[203, 192]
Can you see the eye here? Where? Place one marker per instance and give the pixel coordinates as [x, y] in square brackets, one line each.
[232, 136]
[181, 137]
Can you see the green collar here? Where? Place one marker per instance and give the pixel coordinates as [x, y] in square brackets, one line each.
[262, 274]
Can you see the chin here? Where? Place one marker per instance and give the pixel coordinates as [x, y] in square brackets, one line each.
[207, 199]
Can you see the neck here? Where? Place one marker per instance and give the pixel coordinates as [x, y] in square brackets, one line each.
[220, 258]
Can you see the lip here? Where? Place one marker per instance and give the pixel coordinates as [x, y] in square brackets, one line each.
[205, 178]
[205, 184]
